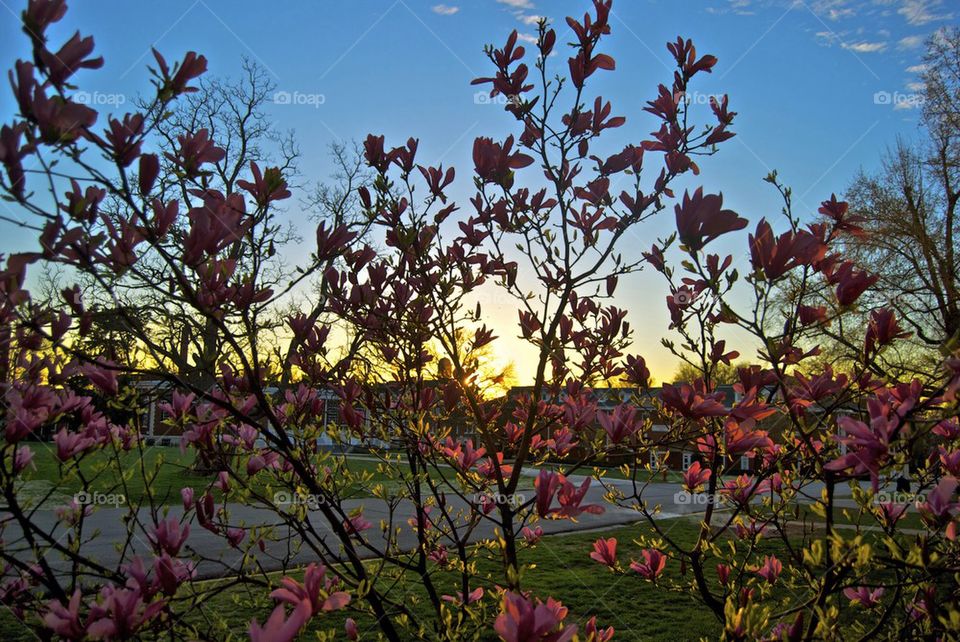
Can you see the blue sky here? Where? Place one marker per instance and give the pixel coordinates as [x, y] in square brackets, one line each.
[821, 87]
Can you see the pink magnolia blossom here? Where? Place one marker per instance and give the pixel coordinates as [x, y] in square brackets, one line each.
[464, 454]
[571, 498]
[546, 485]
[837, 211]
[195, 151]
[168, 536]
[350, 629]
[317, 590]
[948, 429]
[474, 596]
[120, 613]
[438, 556]
[73, 512]
[637, 372]
[222, 483]
[174, 82]
[561, 443]
[235, 536]
[744, 488]
[494, 162]
[867, 446]
[701, 219]
[742, 437]
[749, 530]
[69, 58]
[71, 444]
[620, 424]
[809, 314]
[179, 405]
[280, 628]
[596, 634]
[605, 551]
[22, 458]
[939, 505]
[695, 476]
[950, 461]
[513, 432]
[785, 630]
[652, 565]
[863, 596]
[693, 401]
[65, 621]
[778, 255]
[267, 186]
[171, 573]
[356, 524]
[104, 377]
[523, 620]
[723, 574]
[882, 330]
[850, 282]
[532, 535]
[891, 513]
[771, 569]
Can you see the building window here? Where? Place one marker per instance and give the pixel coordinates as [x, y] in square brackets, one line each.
[687, 460]
[654, 459]
[659, 428]
[744, 463]
[331, 412]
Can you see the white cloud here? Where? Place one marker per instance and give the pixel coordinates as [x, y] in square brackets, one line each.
[831, 9]
[920, 12]
[916, 69]
[737, 7]
[826, 38]
[910, 42]
[836, 14]
[444, 10]
[916, 86]
[529, 19]
[865, 47]
[517, 4]
[526, 37]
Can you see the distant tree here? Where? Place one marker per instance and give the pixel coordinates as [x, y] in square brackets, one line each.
[908, 209]
[723, 374]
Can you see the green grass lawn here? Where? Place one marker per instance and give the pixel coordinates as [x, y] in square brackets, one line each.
[162, 469]
[616, 472]
[911, 520]
[559, 566]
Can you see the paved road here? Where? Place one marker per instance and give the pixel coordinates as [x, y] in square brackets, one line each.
[109, 525]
